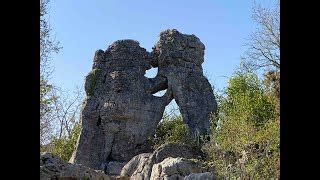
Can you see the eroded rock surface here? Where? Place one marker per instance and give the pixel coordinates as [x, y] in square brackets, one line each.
[140, 166]
[175, 168]
[120, 111]
[200, 176]
[178, 58]
[52, 167]
[114, 168]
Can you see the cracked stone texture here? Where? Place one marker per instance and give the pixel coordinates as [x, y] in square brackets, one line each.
[200, 176]
[175, 169]
[140, 166]
[178, 58]
[52, 167]
[120, 111]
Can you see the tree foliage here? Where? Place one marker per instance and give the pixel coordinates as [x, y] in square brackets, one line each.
[59, 111]
[46, 108]
[246, 140]
[170, 129]
[245, 99]
[47, 46]
[65, 145]
[66, 111]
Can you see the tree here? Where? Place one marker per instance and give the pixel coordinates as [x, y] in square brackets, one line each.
[246, 143]
[59, 111]
[264, 44]
[46, 107]
[171, 129]
[65, 121]
[66, 111]
[64, 116]
[247, 124]
[47, 47]
[65, 145]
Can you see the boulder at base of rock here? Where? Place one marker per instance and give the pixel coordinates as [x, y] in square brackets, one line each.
[114, 168]
[52, 167]
[175, 168]
[137, 166]
[140, 166]
[200, 176]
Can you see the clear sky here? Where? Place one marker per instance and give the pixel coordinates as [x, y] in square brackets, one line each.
[84, 26]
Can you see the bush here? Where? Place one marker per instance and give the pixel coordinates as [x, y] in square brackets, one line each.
[64, 146]
[246, 131]
[170, 129]
[173, 129]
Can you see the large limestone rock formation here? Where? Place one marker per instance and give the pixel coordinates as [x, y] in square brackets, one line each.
[120, 112]
[178, 58]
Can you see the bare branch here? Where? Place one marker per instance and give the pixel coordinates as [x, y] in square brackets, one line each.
[264, 44]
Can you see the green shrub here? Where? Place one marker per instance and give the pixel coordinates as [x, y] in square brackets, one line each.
[171, 129]
[64, 146]
[246, 131]
[91, 82]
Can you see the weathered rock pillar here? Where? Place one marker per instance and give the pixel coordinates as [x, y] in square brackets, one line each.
[120, 112]
[178, 58]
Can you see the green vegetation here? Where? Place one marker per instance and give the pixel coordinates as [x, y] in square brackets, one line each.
[91, 77]
[249, 127]
[245, 139]
[171, 130]
[59, 124]
[64, 146]
[48, 46]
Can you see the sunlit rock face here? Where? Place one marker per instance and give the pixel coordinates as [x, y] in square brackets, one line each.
[178, 58]
[120, 111]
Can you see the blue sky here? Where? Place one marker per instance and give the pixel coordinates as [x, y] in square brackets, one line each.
[82, 27]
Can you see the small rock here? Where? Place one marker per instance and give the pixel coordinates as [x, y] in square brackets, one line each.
[114, 168]
[141, 165]
[175, 168]
[53, 167]
[200, 176]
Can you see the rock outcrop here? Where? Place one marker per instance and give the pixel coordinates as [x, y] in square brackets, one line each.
[200, 176]
[175, 168]
[178, 58]
[120, 111]
[140, 166]
[52, 167]
[114, 168]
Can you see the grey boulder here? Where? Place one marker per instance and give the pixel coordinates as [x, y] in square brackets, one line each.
[52, 167]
